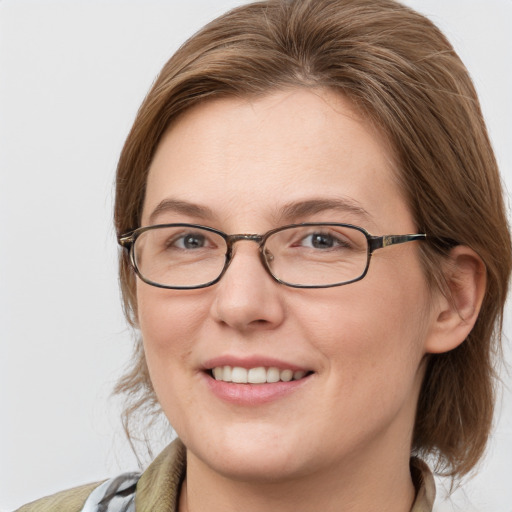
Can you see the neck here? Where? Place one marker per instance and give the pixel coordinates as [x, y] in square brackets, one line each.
[358, 486]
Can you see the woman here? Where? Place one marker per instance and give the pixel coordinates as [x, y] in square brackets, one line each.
[282, 149]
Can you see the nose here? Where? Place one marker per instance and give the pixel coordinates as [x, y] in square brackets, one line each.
[247, 298]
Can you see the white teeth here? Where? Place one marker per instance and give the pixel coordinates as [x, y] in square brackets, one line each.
[273, 375]
[239, 375]
[226, 374]
[286, 375]
[259, 375]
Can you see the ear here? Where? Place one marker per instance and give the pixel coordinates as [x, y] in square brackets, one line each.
[456, 310]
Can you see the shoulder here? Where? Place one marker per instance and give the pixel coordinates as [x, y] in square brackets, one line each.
[71, 500]
[155, 491]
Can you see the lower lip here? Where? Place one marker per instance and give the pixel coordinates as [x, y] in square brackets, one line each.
[252, 394]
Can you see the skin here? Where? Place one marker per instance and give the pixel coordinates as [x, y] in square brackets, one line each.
[341, 440]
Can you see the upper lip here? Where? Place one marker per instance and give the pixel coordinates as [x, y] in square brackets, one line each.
[248, 362]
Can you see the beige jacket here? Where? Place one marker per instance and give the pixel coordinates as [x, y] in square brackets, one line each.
[158, 487]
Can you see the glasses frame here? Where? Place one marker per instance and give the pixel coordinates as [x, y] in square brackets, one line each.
[127, 242]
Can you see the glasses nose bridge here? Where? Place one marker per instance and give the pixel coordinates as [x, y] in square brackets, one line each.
[249, 237]
[232, 239]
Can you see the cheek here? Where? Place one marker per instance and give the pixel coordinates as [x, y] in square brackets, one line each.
[372, 351]
[170, 323]
[372, 330]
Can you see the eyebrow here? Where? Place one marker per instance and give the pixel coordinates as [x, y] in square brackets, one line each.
[297, 210]
[181, 207]
[291, 212]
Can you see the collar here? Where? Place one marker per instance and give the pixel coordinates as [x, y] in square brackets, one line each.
[159, 486]
[425, 486]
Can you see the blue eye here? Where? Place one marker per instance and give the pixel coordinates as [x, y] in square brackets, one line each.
[323, 241]
[190, 241]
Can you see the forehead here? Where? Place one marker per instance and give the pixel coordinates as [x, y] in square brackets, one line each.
[253, 154]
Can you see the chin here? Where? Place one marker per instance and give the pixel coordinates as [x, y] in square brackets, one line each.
[264, 468]
[257, 457]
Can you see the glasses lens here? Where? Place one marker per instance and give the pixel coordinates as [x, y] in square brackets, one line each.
[317, 255]
[180, 256]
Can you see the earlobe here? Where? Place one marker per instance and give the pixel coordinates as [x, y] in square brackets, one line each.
[458, 308]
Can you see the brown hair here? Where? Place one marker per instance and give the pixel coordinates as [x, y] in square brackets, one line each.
[402, 74]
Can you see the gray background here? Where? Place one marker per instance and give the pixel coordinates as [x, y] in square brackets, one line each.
[72, 75]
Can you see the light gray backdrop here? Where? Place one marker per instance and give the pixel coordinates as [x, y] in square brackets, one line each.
[72, 75]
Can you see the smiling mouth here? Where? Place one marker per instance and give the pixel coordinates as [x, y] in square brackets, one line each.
[259, 375]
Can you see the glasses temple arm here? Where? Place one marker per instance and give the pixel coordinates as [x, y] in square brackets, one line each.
[125, 241]
[378, 242]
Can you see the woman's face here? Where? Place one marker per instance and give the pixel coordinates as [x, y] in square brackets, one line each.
[248, 166]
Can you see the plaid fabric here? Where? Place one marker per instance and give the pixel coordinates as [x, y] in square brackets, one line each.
[158, 489]
[114, 495]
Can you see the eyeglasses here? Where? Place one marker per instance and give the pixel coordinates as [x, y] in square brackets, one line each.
[309, 255]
